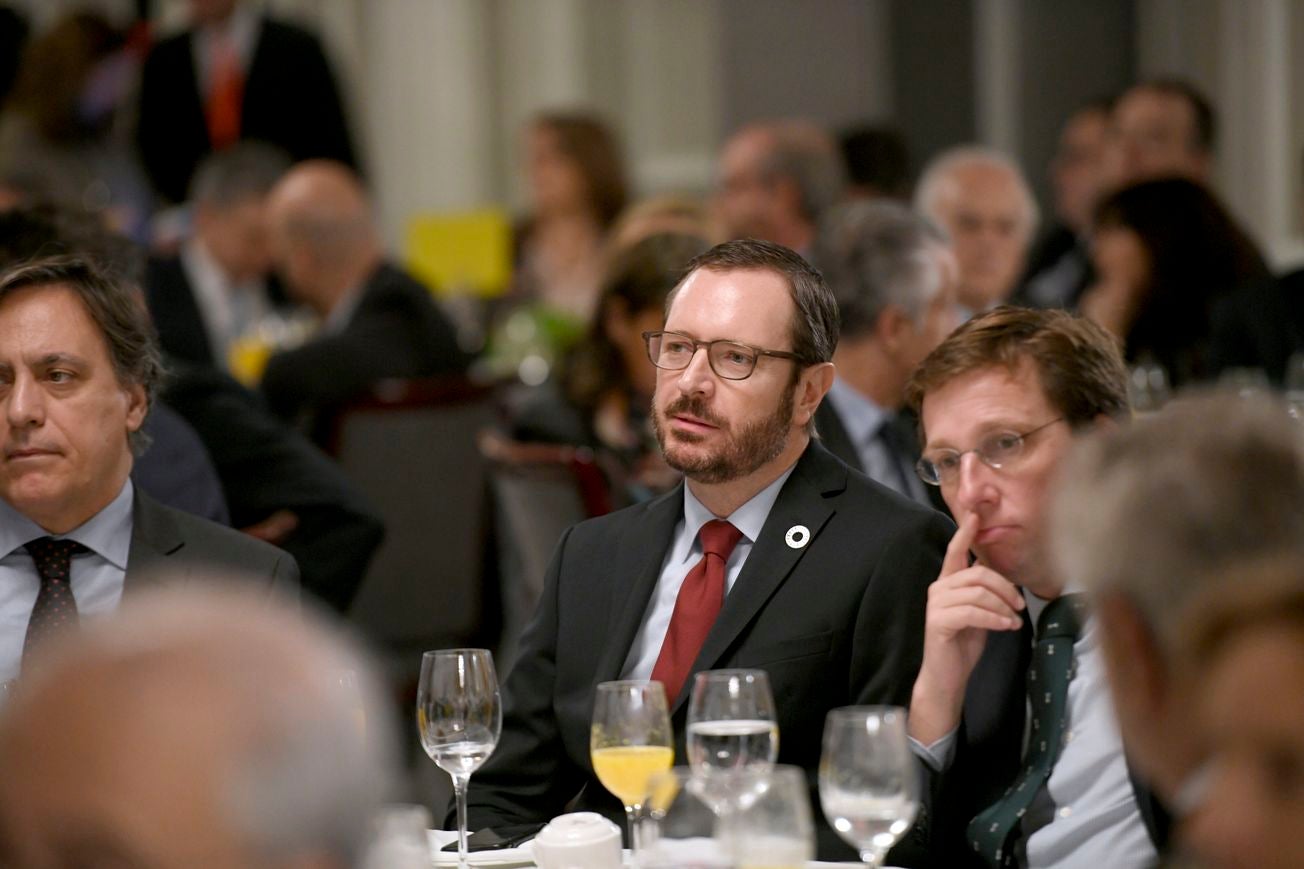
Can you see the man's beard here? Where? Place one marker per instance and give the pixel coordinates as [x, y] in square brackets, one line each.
[743, 453]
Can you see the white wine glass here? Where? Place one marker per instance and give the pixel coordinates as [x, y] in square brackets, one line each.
[731, 727]
[459, 716]
[869, 781]
[630, 741]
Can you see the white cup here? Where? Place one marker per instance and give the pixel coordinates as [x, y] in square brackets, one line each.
[581, 840]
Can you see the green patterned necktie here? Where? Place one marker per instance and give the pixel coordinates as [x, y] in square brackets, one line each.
[992, 831]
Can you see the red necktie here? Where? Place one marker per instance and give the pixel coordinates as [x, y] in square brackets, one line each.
[225, 94]
[698, 603]
[55, 608]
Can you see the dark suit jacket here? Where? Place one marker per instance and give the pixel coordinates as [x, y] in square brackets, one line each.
[833, 434]
[837, 622]
[172, 547]
[177, 469]
[397, 330]
[265, 467]
[175, 312]
[989, 754]
[290, 100]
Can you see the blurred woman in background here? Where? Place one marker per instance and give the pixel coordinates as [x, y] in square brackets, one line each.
[1166, 255]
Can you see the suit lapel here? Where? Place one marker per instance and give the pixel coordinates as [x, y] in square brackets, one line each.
[803, 501]
[154, 537]
[646, 543]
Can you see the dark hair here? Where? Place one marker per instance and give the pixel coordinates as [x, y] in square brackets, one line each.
[877, 158]
[1205, 132]
[640, 278]
[243, 171]
[815, 322]
[53, 71]
[593, 147]
[117, 309]
[1077, 362]
[1197, 255]
[45, 230]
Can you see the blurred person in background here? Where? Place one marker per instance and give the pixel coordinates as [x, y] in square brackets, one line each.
[377, 321]
[603, 395]
[1149, 517]
[236, 74]
[1162, 128]
[981, 199]
[1167, 255]
[1059, 267]
[62, 125]
[671, 214]
[877, 161]
[215, 291]
[1244, 653]
[775, 179]
[894, 276]
[193, 729]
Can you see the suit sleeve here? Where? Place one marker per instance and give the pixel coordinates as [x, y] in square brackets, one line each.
[527, 779]
[890, 628]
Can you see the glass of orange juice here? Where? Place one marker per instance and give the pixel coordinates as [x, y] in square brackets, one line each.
[630, 742]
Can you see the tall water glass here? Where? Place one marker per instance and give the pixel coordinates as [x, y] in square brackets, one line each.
[772, 827]
[869, 781]
[630, 741]
[731, 727]
[459, 716]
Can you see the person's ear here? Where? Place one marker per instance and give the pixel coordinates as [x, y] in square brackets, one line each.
[812, 386]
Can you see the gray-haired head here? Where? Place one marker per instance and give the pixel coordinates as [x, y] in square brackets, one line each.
[1148, 510]
[290, 740]
[876, 254]
[808, 155]
[938, 177]
[245, 171]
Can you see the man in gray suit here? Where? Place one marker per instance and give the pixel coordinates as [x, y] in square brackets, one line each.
[78, 367]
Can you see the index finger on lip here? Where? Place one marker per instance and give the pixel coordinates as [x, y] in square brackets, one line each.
[957, 551]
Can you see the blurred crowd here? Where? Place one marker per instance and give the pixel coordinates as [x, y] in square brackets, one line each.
[214, 170]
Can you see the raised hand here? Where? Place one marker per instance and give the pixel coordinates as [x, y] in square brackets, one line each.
[964, 604]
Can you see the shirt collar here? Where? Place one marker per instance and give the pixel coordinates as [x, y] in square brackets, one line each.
[749, 518]
[1037, 604]
[107, 533]
[860, 416]
[340, 316]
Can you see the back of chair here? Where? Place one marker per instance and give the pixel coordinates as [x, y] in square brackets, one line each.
[411, 449]
[539, 491]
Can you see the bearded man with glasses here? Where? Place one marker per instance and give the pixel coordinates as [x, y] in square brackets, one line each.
[1011, 715]
[773, 554]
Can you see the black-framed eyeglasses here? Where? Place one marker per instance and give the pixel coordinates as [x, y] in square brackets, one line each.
[674, 351]
[995, 451]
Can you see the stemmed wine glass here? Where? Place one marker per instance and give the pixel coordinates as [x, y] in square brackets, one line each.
[459, 716]
[630, 742]
[869, 782]
[731, 728]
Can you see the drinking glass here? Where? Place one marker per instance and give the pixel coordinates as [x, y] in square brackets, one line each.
[459, 716]
[772, 827]
[681, 826]
[630, 741]
[731, 727]
[869, 782]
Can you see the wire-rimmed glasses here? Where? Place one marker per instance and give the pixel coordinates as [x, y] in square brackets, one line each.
[996, 450]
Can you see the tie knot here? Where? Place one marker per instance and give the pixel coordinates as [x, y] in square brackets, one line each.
[47, 549]
[719, 538]
[1062, 617]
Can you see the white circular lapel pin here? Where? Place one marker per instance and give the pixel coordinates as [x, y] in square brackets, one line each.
[797, 537]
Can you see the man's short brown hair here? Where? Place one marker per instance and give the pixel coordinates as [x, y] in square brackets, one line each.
[1078, 363]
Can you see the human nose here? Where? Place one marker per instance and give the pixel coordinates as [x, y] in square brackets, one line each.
[697, 376]
[973, 482]
[24, 404]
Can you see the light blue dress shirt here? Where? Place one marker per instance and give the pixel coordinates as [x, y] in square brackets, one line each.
[862, 419]
[1086, 814]
[685, 551]
[97, 576]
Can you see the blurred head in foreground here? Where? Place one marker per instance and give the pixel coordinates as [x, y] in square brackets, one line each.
[1245, 644]
[1146, 517]
[193, 729]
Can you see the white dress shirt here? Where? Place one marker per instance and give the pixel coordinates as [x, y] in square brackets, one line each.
[96, 576]
[862, 419]
[228, 310]
[685, 551]
[1086, 813]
